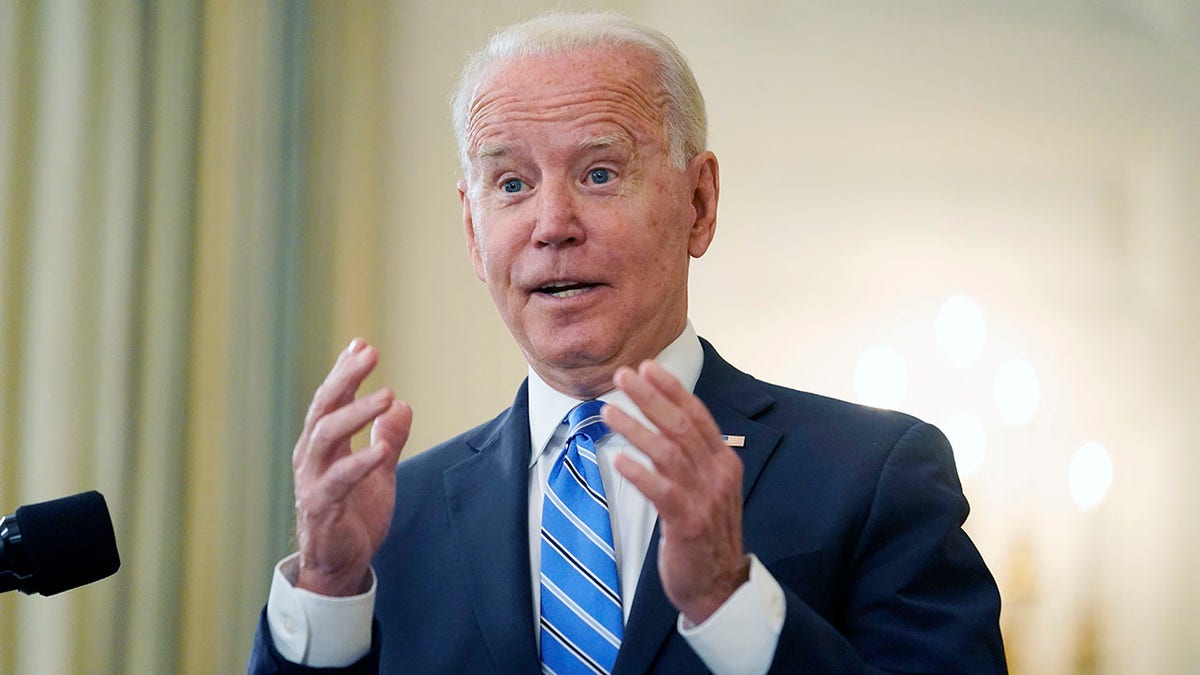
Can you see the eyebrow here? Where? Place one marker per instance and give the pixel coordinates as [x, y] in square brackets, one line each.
[490, 150]
[607, 141]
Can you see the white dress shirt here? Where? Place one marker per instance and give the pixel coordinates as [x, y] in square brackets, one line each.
[740, 637]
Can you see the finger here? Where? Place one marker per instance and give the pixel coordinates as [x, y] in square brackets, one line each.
[691, 406]
[388, 437]
[661, 412]
[671, 421]
[352, 366]
[345, 474]
[654, 486]
[664, 453]
[338, 388]
[354, 362]
[332, 432]
[354, 353]
[392, 428]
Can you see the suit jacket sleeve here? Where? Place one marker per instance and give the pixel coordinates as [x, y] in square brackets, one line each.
[917, 595]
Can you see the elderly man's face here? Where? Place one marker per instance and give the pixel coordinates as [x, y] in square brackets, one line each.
[575, 217]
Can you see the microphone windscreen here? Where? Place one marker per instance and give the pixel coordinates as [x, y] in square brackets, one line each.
[69, 542]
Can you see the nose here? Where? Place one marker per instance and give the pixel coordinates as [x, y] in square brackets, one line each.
[558, 221]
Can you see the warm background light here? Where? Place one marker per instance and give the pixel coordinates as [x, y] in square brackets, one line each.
[881, 378]
[961, 330]
[1017, 391]
[969, 440]
[1090, 475]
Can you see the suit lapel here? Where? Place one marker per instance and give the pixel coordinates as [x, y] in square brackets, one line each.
[733, 398]
[487, 497]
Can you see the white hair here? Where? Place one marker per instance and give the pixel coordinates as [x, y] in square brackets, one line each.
[686, 121]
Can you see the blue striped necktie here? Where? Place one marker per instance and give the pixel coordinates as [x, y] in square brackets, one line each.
[581, 621]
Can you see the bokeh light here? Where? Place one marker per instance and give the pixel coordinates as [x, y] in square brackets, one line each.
[969, 440]
[1089, 475]
[961, 330]
[1017, 391]
[881, 377]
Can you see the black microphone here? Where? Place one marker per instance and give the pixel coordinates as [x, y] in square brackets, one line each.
[58, 545]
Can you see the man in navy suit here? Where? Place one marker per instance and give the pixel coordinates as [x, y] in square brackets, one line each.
[755, 528]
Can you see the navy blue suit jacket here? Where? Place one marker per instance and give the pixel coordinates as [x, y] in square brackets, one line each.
[857, 512]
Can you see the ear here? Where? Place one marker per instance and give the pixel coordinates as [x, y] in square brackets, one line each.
[706, 182]
[464, 198]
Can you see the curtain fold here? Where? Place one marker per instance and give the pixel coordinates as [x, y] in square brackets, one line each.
[171, 256]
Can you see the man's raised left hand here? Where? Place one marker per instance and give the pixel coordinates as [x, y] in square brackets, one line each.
[695, 483]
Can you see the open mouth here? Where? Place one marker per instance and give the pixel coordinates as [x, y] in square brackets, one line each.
[564, 289]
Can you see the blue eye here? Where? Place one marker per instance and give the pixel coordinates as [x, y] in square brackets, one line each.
[512, 185]
[599, 176]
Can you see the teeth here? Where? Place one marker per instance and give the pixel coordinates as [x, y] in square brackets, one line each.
[564, 289]
[569, 293]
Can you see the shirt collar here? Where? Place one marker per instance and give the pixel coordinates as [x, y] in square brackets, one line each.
[683, 358]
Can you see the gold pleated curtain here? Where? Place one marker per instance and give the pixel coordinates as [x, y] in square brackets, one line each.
[189, 202]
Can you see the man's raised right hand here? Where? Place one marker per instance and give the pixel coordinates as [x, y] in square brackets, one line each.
[344, 499]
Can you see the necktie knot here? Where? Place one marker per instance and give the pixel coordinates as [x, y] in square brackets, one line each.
[584, 420]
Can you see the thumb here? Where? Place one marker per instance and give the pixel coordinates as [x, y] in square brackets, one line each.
[392, 426]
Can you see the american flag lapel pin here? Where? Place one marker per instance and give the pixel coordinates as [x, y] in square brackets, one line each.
[734, 441]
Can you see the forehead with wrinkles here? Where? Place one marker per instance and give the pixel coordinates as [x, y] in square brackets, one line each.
[607, 86]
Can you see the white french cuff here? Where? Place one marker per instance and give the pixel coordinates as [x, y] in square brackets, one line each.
[741, 636]
[318, 630]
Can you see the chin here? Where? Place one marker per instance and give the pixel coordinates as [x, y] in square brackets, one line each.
[579, 357]
[558, 352]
